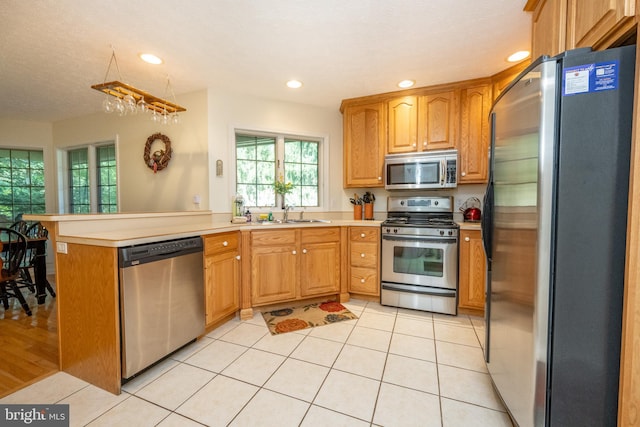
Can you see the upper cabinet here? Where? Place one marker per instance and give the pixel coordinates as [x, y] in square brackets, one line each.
[560, 25]
[422, 122]
[548, 26]
[364, 144]
[473, 149]
[599, 23]
[403, 124]
[437, 120]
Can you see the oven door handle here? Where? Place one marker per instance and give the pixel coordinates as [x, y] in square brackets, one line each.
[420, 290]
[447, 240]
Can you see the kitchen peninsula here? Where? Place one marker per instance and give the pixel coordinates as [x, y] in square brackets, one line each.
[87, 278]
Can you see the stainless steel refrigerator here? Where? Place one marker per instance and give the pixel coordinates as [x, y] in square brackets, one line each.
[554, 229]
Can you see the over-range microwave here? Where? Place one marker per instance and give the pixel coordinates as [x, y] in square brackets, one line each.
[418, 171]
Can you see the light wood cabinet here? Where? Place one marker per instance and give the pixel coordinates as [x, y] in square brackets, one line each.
[290, 264]
[472, 274]
[365, 134]
[274, 266]
[402, 124]
[222, 276]
[599, 23]
[475, 103]
[364, 260]
[437, 120]
[549, 22]
[320, 261]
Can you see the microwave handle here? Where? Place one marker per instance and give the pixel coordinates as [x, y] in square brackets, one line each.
[443, 171]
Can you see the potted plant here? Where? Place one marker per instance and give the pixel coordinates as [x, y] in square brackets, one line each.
[281, 188]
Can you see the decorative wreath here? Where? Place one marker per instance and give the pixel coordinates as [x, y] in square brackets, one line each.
[159, 159]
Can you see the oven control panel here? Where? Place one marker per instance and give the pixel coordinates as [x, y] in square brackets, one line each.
[420, 231]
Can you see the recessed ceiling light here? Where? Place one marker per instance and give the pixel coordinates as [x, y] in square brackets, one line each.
[294, 84]
[406, 83]
[519, 56]
[150, 58]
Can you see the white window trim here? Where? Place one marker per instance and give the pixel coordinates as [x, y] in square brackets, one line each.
[323, 159]
[63, 176]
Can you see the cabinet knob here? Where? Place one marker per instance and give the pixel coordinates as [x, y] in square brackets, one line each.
[361, 255]
[304, 251]
[362, 235]
[362, 280]
[413, 145]
[466, 239]
[424, 144]
[294, 252]
[463, 174]
[379, 178]
[225, 243]
[238, 257]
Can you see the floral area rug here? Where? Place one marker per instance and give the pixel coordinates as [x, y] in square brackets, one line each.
[306, 316]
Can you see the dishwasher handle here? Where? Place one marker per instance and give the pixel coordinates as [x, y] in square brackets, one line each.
[131, 256]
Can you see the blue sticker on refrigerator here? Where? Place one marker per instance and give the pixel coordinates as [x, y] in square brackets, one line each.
[590, 78]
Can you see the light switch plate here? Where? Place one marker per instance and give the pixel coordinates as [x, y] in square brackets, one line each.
[61, 247]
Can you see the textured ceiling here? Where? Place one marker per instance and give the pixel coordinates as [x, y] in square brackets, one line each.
[51, 52]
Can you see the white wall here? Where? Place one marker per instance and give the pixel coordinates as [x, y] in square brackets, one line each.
[228, 111]
[171, 189]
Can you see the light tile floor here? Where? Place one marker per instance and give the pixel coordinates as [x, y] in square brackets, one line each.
[390, 367]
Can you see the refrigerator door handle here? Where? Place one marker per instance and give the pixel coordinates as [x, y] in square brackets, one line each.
[486, 221]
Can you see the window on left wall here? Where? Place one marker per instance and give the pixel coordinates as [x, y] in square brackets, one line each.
[92, 184]
[21, 184]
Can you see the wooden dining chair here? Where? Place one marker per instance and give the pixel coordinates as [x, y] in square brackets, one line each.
[34, 231]
[14, 248]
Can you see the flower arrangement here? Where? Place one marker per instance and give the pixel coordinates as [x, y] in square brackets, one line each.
[281, 187]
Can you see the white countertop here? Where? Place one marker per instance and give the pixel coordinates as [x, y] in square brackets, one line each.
[118, 230]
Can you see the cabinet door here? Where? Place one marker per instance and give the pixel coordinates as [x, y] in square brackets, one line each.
[599, 23]
[273, 273]
[549, 28]
[222, 273]
[474, 134]
[437, 121]
[364, 145]
[320, 268]
[501, 80]
[472, 271]
[402, 122]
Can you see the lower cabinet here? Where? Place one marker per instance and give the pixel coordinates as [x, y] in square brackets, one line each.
[472, 274]
[294, 263]
[222, 276]
[364, 260]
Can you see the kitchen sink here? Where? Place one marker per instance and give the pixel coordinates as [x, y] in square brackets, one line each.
[305, 220]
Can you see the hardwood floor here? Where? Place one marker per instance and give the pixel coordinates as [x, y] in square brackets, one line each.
[28, 344]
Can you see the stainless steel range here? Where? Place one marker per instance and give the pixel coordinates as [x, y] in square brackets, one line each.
[420, 254]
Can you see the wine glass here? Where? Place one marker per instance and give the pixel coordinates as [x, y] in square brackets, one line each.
[107, 105]
[130, 104]
[142, 106]
[119, 107]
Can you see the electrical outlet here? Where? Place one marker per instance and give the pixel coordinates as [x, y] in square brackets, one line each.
[61, 247]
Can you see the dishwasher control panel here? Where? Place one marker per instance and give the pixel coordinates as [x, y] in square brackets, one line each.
[149, 252]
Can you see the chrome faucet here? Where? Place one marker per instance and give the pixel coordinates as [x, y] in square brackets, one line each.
[287, 208]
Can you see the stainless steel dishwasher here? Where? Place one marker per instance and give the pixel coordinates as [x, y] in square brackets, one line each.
[161, 300]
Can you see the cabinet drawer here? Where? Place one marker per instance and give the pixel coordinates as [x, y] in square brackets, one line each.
[364, 234]
[217, 243]
[276, 237]
[364, 281]
[320, 235]
[364, 254]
